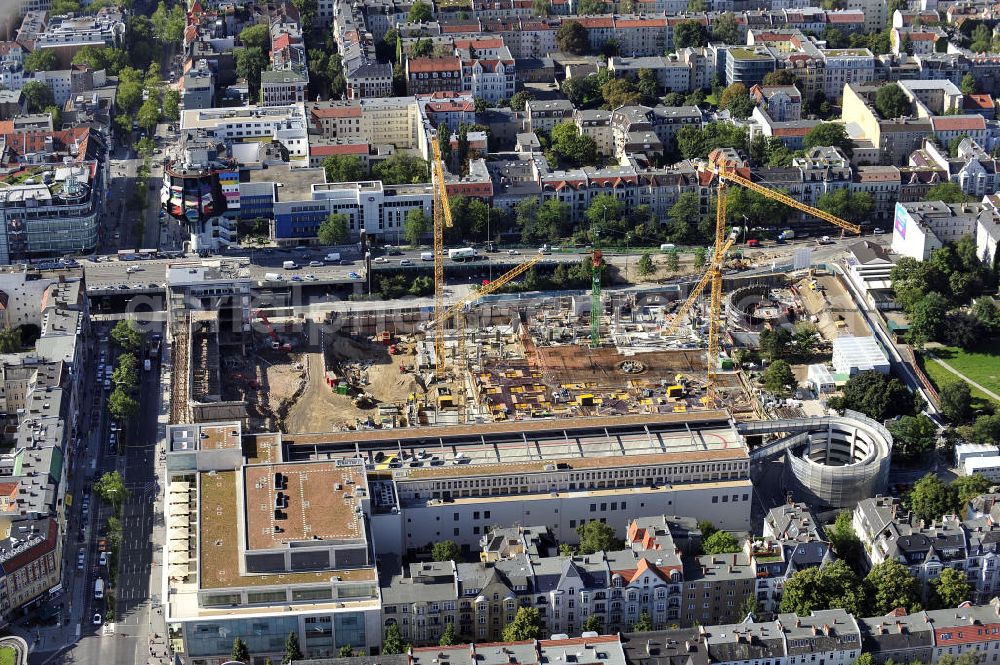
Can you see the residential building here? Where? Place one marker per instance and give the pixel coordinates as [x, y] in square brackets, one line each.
[543, 115]
[488, 78]
[783, 103]
[650, 130]
[882, 183]
[282, 87]
[197, 87]
[596, 123]
[429, 74]
[284, 124]
[748, 65]
[65, 35]
[920, 228]
[895, 138]
[673, 75]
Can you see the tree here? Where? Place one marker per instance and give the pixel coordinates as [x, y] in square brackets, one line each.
[583, 91]
[986, 429]
[726, 29]
[10, 340]
[804, 337]
[345, 651]
[240, 651]
[121, 405]
[392, 641]
[171, 105]
[402, 169]
[890, 585]
[673, 260]
[949, 590]
[982, 38]
[700, 257]
[778, 377]
[572, 38]
[913, 436]
[149, 114]
[519, 99]
[877, 396]
[968, 85]
[865, 659]
[420, 12]
[645, 265]
[590, 7]
[891, 102]
[333, 231]
[955, 400]
[527, 625]
[126, 336]
[41, 60]
[695, 6]
[126, 372]
[693, 142]
[736, 99]
[684, 216]
[845, 541]
[689, 33]
[968, 488]
[604, 209]
[931, 498]
[37, 95]
[949, 192]
[344, 168]
[644, 624]
[256, 36]
[707, 529]
[926, 319]
[720, 542]
[541, 8]
[774, 343]
[571, 146]
[446, 550]
[250, 62]
[110, 487]
[592, 624]
[448, 637]
[415, 226]
[828, 133]
[780, 77]
[834, 585]
[292, 650]
[620, 92]
[596, 536]
[852, 206]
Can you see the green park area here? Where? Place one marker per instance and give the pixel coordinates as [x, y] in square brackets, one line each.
[983, 367]
[8, 656]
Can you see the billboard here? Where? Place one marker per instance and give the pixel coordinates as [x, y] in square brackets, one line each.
[899, 223]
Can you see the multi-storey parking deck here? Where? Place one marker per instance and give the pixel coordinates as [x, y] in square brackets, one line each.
[577, 443]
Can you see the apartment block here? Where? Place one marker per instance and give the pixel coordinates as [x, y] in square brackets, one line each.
[921, 228]
[65, 35]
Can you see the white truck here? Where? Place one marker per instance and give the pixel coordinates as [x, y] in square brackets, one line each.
[461, 254]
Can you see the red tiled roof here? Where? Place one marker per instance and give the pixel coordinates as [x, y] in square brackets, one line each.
[923, 36]
[596, 22]
[791, 131]
[281, 41]
[434, 65]
[339, 149]
[845, 17]
[457, 28]
[978, 102]
[958, 123]
[450, 106]
[485, 42]
[641, 23]
[336, 111]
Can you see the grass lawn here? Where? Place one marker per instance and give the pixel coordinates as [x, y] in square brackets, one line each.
[985, 371]
[7, 656]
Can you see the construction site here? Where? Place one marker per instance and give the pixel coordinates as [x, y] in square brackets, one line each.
[489, 356]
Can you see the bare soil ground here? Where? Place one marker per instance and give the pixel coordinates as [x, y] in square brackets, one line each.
[833, 306]
[321, 409]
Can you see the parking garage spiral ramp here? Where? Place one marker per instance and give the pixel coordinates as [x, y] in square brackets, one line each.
[833, 461]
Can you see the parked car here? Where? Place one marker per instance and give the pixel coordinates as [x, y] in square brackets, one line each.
[98, 619]
[315, 264]
[405, 262]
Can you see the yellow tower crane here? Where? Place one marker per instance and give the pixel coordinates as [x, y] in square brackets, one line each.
[442, 218]
[714, 272]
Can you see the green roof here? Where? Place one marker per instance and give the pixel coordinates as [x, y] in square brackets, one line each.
[747, 54]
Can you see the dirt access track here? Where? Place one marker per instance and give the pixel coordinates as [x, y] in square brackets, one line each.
[321, 409]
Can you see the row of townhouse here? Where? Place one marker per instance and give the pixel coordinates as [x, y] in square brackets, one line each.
[967, 543]
[287, 80]
[831, 637]
[491, 76]
[659, 573]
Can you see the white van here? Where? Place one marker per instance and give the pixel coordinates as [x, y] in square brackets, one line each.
[273, 277]
[426, 256]
[332, 257]
[99, 588]
[289, 265]
[668, 247]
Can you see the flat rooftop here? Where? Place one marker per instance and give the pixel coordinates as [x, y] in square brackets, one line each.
[321, 502]
[532, 445]
[205, 437]
[219, 550]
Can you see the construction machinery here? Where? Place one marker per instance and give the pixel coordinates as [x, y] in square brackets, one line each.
[722, 244]
[458, 308]
[596, 309]
[442, 218]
